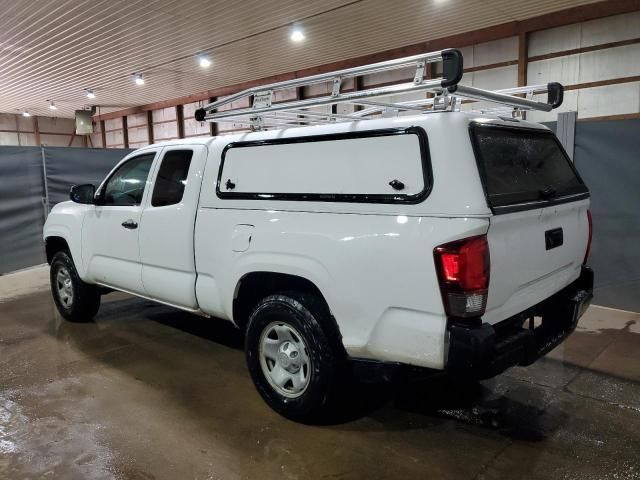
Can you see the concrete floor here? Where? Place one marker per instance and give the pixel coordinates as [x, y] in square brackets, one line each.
[147, 392]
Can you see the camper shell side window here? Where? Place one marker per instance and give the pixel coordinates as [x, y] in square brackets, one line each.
[374, 166]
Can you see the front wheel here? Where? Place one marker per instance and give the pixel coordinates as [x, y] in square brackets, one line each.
[76, 300]
[292, 361]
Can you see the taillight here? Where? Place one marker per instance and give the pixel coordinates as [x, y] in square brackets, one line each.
[586, 254]
[463, 272]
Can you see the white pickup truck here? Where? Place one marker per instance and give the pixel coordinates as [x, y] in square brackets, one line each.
[447, 241]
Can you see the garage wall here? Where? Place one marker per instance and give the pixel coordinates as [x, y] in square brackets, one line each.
[66, 167]
[138, 133]
[114, 133]
[23, 193]
[606, 156]
[32, 131]
[597, 61]
[21, 208]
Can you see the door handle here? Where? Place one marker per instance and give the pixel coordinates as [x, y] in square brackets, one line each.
[130, 224]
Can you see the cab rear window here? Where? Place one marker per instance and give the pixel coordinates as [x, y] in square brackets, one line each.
[524, 168]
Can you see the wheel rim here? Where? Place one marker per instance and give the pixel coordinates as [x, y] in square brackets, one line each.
[64, 287]
[284, 359]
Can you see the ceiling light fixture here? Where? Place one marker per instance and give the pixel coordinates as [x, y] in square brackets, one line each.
[89, 93]
[26, 114]
[204, 61]
[52, 106]
[138, 78]
[297, 35]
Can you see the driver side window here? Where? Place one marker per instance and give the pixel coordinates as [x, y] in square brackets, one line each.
[126, 186]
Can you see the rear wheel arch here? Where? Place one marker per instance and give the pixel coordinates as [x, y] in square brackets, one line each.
[255, 286]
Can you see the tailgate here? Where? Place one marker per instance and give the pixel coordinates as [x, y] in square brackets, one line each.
[539, 231]
[534, 254]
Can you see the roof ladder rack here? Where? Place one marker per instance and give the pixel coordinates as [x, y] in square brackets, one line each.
[449, 94]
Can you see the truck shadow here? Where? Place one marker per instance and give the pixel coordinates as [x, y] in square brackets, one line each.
[518, 412]
[515, 409]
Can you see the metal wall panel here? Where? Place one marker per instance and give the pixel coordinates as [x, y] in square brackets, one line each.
[566, 131]
[114, 133]
[610, 29]
[165, 131]
[498, 51]
[96, 136]
[21, 208]
[609, 100]
[496, 78]
[610, 63]
[191, 127]
[565, 70]
[74, 166]
[137, 130]
[55, 125]
[227, 128]
[586, 34]
[22, 193]
[553, 40]
[606, 156]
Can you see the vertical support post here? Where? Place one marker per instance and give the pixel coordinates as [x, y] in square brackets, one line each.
[45, 200]
[213, 126]
[150, 127]
[180, 120]
[566, 131]
[300, 96]
[428, 74]
[103, 134]
[357, 86]
[523, 61]
[523, 58]
[125, 132]
[18, 129]
[36, 130]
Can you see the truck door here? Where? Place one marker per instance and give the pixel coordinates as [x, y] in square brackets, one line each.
[167, 226]
[110, 230]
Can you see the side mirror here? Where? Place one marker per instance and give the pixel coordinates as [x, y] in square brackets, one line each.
[83, 193]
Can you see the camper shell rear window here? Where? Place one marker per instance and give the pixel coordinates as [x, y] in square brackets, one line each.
[524, 168]
[373, 166]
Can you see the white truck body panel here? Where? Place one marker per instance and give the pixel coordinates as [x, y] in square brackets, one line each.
[374, 271]
[373, 262]
[166, 254]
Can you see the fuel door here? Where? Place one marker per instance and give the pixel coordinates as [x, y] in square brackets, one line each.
[241, 238]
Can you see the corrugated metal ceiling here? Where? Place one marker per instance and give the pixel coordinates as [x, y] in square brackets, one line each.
[54, 49]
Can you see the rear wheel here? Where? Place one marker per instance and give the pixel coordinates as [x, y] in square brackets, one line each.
[76, 300]
[291, 358]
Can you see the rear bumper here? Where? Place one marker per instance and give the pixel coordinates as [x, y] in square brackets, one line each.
[486, 350]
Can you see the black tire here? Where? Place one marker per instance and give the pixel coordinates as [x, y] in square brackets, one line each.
[310, 318]
[85, 300]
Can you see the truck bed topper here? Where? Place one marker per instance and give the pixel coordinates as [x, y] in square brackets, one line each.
[448, 95]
